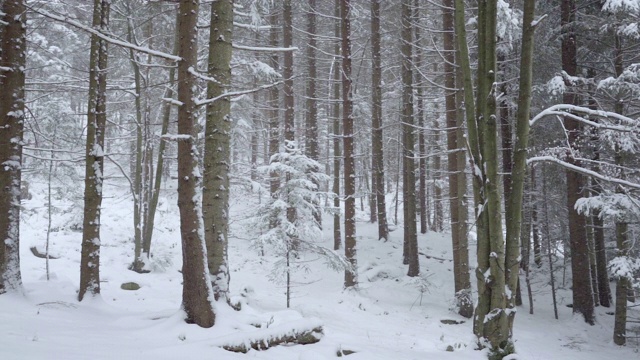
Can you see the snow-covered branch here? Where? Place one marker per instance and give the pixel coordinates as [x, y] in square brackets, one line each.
[89, 29]
[583, 171]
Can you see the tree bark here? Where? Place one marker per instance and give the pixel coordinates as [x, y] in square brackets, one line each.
[337, 235]
[197, 294]
[582, 291]
[408, 169]
[96, 120]
[12, 106]
[350, 275]
[456, 166]
[311, 126]
[377, 163]
[217, 147]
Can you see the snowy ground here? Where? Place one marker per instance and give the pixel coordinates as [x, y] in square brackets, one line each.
[391, 316]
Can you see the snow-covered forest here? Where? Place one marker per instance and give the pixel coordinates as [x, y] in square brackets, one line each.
[313, 179]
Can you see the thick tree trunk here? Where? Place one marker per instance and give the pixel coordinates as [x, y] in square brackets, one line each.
[582, 291]
[217, 144]
[13, 26]
[377, 163]
[350, 275]
[197, 294]
[456, 165]
[96, 120]
[408, 169]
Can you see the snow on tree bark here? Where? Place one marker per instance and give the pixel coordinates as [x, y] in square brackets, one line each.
[12, 106]
[197, 293]
[96, 122]
[217, 147]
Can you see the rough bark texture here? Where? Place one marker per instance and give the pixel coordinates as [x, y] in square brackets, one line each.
[12, 96]
[350, 275]
[217, 144]
[456, 165]
[377, 154]
[408, 168]
[337, 235]
[422, 146]
[96, 120]
[311, 125]
[623, 242]
[197, 294]
[582, 291]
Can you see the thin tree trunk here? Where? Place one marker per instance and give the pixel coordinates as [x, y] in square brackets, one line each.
[408, 169]
[197, 294]
[311, 129]
[514, 208]
[215, 195]
[138, 262]
[350, 275]
[377, 152]
[274, 106]
[337, 235]
[547, 235]
[422, 162]
[289, 115]
[13, 27]
[96, 120]
[155, 190]
[623, 284]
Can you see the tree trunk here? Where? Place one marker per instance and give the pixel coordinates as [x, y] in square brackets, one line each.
[350, 275]
[138, 262]
[422, 151]
[197, 294]
[311, 128]
[582, 291]
[408, 169]
[274, 106]
[96, 120]
[377, 163]
[12, 105]
[215, 195]
[337, 235]
[623, 242]
[518, 167]
[155, 190]
[456, 165]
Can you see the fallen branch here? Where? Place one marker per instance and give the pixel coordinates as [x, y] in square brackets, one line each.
[303, 333]
[434, 257]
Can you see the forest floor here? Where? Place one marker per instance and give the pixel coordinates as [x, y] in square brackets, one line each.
[390, 316]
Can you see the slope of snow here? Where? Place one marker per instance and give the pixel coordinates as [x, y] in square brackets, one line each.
[390, 316]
